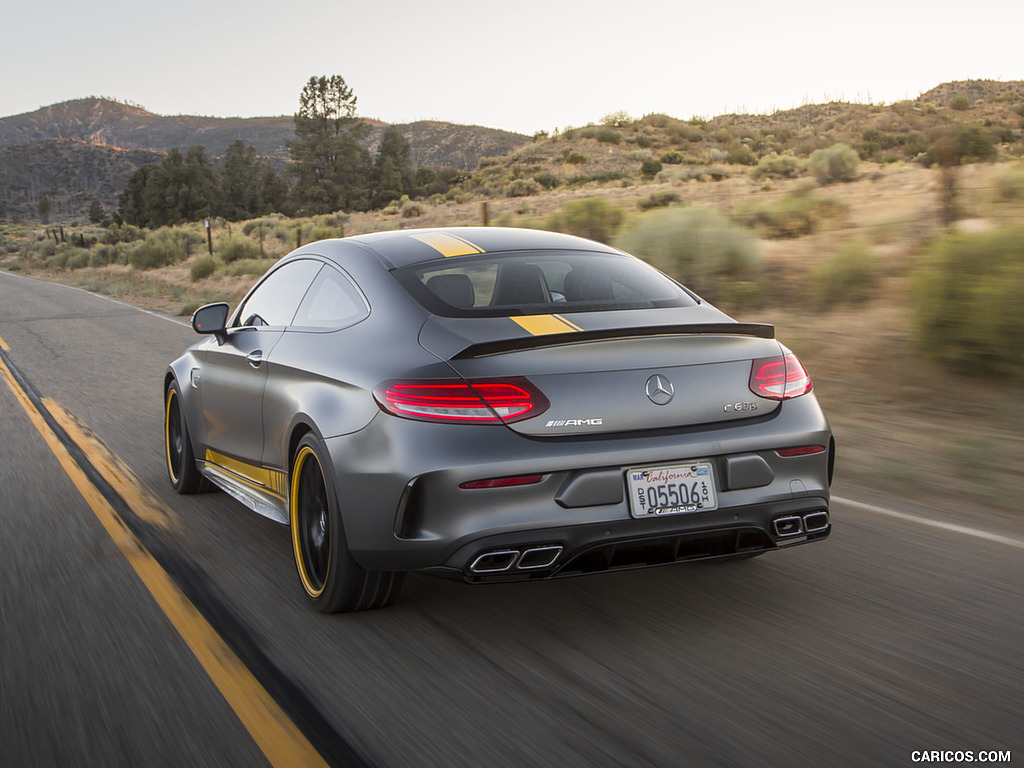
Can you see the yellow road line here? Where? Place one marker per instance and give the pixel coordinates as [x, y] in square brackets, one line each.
[276, 735]
[143, 502]
[447, 244]
[3, 345]
[542, 325]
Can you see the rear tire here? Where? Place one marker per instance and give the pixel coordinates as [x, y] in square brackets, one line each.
[333, 581]
[182, 471]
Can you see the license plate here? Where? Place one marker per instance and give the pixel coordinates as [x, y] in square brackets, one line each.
[673, 490]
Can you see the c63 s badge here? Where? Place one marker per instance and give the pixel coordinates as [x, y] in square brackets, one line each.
[575, 423]
[733, 407]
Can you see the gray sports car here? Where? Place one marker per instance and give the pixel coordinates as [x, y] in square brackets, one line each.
[494, 405]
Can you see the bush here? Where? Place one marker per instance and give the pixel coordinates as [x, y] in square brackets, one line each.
[106, 254]
[522, 188]
[794, 215]
[967, 307]
[576, 158]
[248, 267]
[672, 157]
[659, 199]
[592, 217]
[784, 166]
[848, 276]
[78, 258]
[741, 155]
[837, 163]
[412, 209]
[233, 247]
[650, 168]
[546, 179]
[159, 249]
[696, 245]
[202, 268]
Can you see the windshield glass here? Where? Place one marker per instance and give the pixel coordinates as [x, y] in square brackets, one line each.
[540, 283]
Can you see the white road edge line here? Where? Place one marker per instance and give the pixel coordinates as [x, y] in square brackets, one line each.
[168, 318]
[952, 527]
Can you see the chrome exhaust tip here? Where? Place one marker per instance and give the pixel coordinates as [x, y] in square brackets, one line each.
[495, 562]
[539, 557]
[788, 526]
[816, 522]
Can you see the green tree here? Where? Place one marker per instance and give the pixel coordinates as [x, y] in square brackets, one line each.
[240, 182]
[44, 208]
[96, 212]
[331, 165]
[393, 175]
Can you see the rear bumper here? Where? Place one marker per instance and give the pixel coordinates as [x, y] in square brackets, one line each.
[398, 482]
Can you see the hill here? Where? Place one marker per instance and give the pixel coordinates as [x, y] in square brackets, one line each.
[83, 150]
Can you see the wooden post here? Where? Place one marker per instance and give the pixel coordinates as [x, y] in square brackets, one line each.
[209, 236]
[485, 213]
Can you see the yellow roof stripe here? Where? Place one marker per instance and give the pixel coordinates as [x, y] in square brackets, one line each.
[542, 325]
[448, 245]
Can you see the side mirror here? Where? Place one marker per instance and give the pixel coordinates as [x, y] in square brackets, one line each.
[211, 318]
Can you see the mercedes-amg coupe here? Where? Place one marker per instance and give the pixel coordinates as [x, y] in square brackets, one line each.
[494, 405]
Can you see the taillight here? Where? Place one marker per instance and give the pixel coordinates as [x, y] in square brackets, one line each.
[779, 378]
[482, 401]
[503, 482]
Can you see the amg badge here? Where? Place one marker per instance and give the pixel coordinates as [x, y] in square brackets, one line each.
[575, 423]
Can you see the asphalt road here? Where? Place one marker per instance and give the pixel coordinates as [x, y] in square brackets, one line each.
[892, 637]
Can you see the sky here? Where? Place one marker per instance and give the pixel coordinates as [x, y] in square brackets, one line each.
[525, 66]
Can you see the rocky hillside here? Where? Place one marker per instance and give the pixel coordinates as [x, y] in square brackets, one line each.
[84, 150]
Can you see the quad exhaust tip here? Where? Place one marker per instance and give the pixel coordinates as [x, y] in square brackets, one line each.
[816, 522]
[500, 560]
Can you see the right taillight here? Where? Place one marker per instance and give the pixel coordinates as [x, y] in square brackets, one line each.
[779, 378]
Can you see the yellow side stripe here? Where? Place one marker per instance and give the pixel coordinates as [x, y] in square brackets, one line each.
[542, 325]
[276, 735]
[447, 244]
[3, 345]
[258, 477]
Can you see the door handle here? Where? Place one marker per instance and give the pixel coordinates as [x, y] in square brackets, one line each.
[255, 358]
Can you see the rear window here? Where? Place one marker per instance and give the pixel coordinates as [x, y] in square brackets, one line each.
[540, 283]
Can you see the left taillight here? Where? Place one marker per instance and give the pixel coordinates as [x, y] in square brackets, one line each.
[479, 401]
[779, 378]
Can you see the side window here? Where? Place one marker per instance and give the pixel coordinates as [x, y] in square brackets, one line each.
[275, 300]
[332, 301]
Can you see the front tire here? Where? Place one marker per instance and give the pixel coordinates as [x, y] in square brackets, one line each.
[182, 471]
[332, 579]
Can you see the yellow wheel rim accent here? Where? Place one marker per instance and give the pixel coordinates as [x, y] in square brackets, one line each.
[171, 470]
[293, 502]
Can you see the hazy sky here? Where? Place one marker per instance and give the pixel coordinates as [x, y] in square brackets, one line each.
[527, 65]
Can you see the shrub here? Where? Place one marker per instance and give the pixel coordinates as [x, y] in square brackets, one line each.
[794, 215]
[960, 102]
[608, 136]
[575, 158]
[412, 209]
[202, 268]
[546, 179]
[659, 199]
[106, 254]
[650, 168]
[78, 258]
[967, 307]
[784, 166]
[522, 188]
[159, 249]
[233, 247]
[837, 163]
[592, 217]
[696, 245]
[641, 155]
[672, 157]
[848, 276]
[741, 155]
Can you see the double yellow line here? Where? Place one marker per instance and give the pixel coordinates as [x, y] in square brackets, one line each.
[277, 736]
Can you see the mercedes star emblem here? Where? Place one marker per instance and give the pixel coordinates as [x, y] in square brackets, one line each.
[660, 390]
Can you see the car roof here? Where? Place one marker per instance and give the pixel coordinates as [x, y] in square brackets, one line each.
[403, 248]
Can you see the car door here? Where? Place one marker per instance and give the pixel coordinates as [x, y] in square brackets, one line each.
[235, 375]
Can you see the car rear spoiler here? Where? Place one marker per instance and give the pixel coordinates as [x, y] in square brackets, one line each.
[483, 349]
